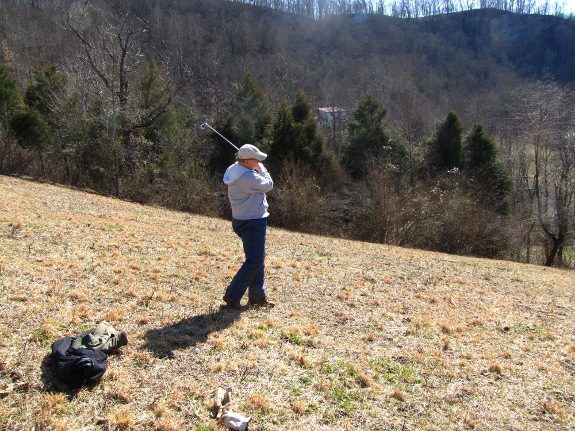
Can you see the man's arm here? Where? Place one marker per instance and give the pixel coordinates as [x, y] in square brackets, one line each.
[257, 182]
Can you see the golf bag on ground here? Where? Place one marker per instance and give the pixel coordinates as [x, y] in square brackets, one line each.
[83, 359]
[77, 367]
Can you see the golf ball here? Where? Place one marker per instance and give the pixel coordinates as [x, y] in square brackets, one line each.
[196, 350]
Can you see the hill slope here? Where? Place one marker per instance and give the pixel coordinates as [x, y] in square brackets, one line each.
[364, 336]
[447, 62]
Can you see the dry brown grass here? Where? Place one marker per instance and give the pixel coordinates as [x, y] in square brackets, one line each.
[364, 336]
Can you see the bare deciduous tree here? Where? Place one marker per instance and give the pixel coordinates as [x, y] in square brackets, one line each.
[111, 40]
[547, 118]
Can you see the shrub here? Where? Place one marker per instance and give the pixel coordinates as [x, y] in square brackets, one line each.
[296, 201]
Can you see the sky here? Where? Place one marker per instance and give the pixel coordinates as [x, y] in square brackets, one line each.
[569, 6]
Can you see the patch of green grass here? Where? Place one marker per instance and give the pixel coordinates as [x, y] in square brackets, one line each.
[267, 328]
[346, 400]
[328, 368]
[293, 338]
[111, 227]
[47, 331]
[320, 253]
[537, 331]
[349, 368]
[296, 338]
[394, 372]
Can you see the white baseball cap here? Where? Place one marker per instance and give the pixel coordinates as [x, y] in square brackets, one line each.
[249, 151]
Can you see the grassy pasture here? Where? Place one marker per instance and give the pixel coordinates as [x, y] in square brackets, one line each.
[364, 336]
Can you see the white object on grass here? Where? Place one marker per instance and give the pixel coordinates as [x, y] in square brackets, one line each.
[235, 421]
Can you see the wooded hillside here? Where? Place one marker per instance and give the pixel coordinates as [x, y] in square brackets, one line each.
[454, 120]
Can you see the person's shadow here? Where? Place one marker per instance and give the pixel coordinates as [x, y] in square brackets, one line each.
[188, 332]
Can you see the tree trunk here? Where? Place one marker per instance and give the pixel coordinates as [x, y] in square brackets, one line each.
[557, 244]
[42, 164]
[528, 245]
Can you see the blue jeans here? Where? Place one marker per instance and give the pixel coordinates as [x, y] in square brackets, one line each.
[251, 274]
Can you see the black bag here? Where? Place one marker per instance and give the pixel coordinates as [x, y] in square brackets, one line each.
[77, 367]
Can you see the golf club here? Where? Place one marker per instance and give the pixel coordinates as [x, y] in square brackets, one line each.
[204, 125]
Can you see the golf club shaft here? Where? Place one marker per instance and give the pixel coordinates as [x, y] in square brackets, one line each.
[204, 125]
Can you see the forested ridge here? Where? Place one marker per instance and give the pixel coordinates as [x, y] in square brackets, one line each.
[453, 132]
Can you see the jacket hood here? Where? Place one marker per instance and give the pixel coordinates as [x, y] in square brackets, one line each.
[233, 173]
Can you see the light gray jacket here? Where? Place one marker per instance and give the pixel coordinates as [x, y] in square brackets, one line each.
[247, 192]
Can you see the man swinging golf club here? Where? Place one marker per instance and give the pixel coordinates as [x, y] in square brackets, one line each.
[248, 182]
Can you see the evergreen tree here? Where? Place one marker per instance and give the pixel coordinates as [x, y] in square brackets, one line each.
[483, 168]
[444, 150]
[44, 92]
[8, 94]
[9, 99]
[283, 138]
[32, 131]
[248, 123]
[53, 117]
[480, 151]
[33, 121]
[296, 137]
[222, 154]
[99, 155]
[153, 115]
[251, 117]
[370, 139]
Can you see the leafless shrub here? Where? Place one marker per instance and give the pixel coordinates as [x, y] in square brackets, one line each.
[16, 160]
[296, 201]
[441, 217]
[452, 221]
[380, 211]
[191, 191]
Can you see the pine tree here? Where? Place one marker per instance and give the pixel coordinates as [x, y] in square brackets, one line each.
[483, 168]
[283, 138]
[50, 116]
[222, 154]
[248, 123]
[480, 151]
[371, 140]
[8, 94]
[32, 131]
[296, 137]
[43, 93]
[251, 117]
[444, 150]
[9, 99]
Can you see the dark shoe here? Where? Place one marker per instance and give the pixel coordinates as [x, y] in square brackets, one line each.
[262, 302]
[232, 303]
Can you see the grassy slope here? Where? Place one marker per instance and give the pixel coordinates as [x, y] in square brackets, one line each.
[364, 337]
